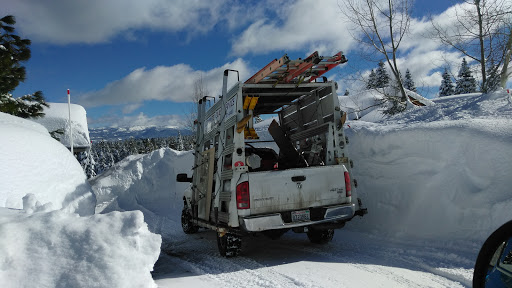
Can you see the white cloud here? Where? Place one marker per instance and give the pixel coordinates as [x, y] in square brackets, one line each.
[140, 119]
[323, 28]
[165, 83]
[424, 65]
[94, 21]
[127, 109]
[299, 25]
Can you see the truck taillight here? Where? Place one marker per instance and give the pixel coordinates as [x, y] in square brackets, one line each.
[242, 196]
[348, 187]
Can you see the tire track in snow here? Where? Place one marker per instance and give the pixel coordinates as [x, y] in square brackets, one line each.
[377, 259]
[202, 258]
[263, 262]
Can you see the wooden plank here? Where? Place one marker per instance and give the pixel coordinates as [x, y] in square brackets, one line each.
[210, 155]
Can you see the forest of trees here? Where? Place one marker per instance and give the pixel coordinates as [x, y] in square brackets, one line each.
[104, 154]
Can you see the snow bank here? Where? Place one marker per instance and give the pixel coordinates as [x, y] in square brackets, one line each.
[58, 249]
[439, 172]
[48, 243]
[146, 183]
[33, 162]
[57, 117]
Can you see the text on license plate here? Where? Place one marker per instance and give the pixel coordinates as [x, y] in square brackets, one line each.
[298, 216]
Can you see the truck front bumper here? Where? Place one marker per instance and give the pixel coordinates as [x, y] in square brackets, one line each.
[275, 221]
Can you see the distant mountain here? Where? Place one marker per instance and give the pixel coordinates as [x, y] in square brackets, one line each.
[113, 134]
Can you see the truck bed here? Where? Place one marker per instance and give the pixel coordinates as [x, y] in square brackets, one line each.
[296, 189]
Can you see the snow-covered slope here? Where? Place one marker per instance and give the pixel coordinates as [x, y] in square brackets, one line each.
[368, 104]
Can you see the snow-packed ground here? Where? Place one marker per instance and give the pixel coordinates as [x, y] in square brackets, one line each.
[435, 181]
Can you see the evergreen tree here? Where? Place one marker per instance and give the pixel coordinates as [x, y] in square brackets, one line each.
[395, 83]
[465, 82]
[181, 145]
[381, 76]
[446, 87]
[86, 160]
[493, 79]
[14, 51]
[27, 106]
[372, 81]
[408, 82]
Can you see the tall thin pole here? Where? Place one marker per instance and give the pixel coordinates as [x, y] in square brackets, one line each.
[70, 129]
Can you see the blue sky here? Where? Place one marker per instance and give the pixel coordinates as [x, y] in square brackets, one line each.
[131, 62]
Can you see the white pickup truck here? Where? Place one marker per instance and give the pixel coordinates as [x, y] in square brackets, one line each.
[298, 178]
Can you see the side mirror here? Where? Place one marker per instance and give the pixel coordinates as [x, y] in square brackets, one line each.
[183, 177]
[493, 267]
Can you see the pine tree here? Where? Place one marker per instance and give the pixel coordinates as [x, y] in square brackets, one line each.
[372, 81]
[408, 82]
[465, 82]
[446, 87]
[181, 146]
[14, 51]
[88, 164]
[381, 76]
[27, 106]
[493, 79]
[395, 83]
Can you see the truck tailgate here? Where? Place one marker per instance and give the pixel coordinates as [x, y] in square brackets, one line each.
[295, 189]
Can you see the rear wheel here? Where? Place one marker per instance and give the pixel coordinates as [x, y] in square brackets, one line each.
[186, 222]
[229, 244]
[320, 236]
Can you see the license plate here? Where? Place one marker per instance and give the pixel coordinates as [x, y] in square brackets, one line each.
[298, 216]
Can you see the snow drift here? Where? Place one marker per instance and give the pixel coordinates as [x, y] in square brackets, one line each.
[56, 241]
[439, 172]
[146, 183]
[58, 249]
[449, 180]
[34, 163]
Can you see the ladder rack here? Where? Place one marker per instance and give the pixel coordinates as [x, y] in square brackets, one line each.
[284, 70]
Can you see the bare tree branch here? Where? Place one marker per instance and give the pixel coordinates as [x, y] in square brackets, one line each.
[481, 32]
[376, 18]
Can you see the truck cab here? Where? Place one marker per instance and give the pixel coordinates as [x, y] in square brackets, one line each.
[289, 171]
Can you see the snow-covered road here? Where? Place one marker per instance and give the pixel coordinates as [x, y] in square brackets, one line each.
[353, 259]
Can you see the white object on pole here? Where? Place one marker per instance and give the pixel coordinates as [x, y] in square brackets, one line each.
[70, 129]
